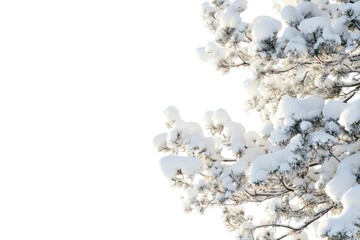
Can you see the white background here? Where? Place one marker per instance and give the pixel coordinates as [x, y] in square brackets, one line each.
[83, 86]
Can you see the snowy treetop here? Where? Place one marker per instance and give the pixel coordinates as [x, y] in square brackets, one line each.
[314, 52]
[303, 167]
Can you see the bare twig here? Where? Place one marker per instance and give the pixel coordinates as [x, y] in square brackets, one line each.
[286, 187]
[331, 153]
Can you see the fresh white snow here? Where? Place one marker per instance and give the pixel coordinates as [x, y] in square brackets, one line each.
[172, 165]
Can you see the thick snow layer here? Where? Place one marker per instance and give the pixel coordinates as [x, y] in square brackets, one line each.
[188, 128]
[160, 141]
[230, 19]
[250, 88]
[296, 203]
[330, 35]
[342, 224]
[333, 109]
[192, 128]
[277, 136]
[311, 25]
[351, 198]
[171, 165]
[231, 127]
[297, 45]
[265, 27]
[348, 149]
[326, 172]
[242, 164]
[319, 138]
[332, 127]
[267, 129]
[210, 145]
[175, 132]
[239, 167]
[207, 8]
[305, 126]
[355, 35]
[356, 8]
[208, 120]
[290, 33]
[202, 54]
[345, 223]
[237, 146]
[299, 108]
[171, 114]
[220, 117]
[308, 9]
[340, 26]
[265, 164]
[350, 115]
[239, 5]
[251, 139]
[214, 53]
[290, 15]
[189, 133]
[344, 178]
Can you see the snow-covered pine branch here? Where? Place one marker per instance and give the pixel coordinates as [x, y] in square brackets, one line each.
[303, 168]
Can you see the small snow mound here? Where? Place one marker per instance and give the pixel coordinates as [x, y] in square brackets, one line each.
[346, 223]
[311, 25]
[351, 197]
[231, 127]
[202, 54]
[333, 109]
[220, 117]
[160, 141]
[299, 108]
[291, 16]
[230, 19]
[171, 114]
[350, 115]
[344, 178]
[239, 5]
[267, 163]
[265, 27]
[319, 138]
[208, 120]
[297, 45]
[308, 9]
[173, 165]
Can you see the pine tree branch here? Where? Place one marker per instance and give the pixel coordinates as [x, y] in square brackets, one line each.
[276, 225]
[286, 187]
[296, 229]
[351, 95]
[229, 160]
